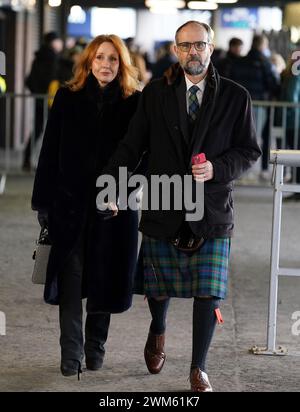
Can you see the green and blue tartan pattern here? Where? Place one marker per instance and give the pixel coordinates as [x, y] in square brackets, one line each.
[193, 102]
[170, 272]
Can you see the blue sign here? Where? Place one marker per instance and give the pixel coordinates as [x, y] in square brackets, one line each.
[239, 18]
[80, 28]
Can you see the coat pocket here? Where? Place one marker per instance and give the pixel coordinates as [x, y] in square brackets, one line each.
[218, 206]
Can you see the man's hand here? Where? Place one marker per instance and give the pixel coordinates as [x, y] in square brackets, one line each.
[203, 172]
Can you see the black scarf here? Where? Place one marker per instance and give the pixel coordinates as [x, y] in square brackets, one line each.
[110, 94]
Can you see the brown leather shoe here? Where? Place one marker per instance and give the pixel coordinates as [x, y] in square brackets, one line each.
[154, 352]
[199, 381]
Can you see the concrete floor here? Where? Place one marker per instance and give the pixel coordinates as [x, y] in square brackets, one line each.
[30, 353]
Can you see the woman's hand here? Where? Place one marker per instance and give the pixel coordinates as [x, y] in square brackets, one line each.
[108, 210]
[203, 172]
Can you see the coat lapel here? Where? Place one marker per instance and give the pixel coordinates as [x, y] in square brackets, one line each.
[171, 112]
[206, 112]
[180, 90]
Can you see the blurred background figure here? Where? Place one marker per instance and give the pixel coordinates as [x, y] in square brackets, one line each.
[43, 71]
[256, 73]
[2, 109]
[166, 59]
[233, 56]
[65, 69]
[290, 92]
[218, 55]
[2, 85]
[138, 61]
[279, 64]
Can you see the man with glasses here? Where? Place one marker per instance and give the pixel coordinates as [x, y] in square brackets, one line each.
[188, 111]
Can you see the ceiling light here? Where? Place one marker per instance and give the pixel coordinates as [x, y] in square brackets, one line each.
[54, 3]
[163, 10]
[202, 5]
[22, 4]
[163, 4]
[77, 15]
[222, 1]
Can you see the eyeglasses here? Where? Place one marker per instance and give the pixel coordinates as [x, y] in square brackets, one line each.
[186, 46]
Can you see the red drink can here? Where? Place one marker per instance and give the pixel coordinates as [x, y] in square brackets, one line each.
[198, 158]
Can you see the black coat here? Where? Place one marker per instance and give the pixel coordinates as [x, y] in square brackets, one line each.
[83, 130]
[43, 70]
[255, 73]
[224, 131]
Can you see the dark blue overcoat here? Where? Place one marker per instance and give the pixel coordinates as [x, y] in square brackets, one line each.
[83, 131]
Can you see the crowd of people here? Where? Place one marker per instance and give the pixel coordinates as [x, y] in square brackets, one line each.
[264, 73]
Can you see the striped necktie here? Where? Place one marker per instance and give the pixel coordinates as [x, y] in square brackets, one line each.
[193, 102]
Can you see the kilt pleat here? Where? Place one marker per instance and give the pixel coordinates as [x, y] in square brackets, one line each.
[170, 272]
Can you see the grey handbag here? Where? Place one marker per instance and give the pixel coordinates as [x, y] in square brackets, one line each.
[41, 257]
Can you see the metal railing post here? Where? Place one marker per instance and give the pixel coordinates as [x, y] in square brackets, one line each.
[280, 159]
[274, 260]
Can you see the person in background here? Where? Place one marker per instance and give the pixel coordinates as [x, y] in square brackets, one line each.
[2, 111]
[290, 92]
[256, 73]
[233, 56]
[166, 60]
[190, 110]
[90, 256]
[279, 64]
[138, 61]
[2, 85]
[43, 71]
[65, 71]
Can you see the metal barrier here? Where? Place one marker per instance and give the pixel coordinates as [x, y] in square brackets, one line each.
[17, 114]
[279, 159]
[277, 121]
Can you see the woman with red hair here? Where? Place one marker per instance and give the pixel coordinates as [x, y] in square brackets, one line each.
[90, 256]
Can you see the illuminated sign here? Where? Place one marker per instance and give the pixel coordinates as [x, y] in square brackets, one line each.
[239, 18]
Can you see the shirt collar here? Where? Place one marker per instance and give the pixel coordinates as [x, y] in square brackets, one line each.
[201, 84]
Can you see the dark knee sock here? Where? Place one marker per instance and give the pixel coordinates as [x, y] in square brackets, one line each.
[158, 309]
[204, 322]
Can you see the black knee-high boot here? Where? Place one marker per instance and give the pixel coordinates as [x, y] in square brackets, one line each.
[96, 331]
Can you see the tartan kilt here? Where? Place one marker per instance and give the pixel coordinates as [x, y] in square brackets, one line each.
[166, 271]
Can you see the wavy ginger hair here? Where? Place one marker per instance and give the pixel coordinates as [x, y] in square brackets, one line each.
[127, 75]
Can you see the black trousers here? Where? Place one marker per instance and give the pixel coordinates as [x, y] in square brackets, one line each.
[36, 134]
[291, 145]
[70, 315]
[266, 141]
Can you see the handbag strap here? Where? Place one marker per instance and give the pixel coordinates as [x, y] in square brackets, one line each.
[44, 238]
